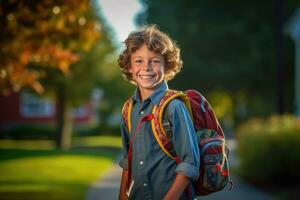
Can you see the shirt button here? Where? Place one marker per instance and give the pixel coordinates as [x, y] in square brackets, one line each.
[142, 112]
[145, 184]
[141, 162]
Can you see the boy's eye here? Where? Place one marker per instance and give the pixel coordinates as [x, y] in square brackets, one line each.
[156, 61]
[138, 61]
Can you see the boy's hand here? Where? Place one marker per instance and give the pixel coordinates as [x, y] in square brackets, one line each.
[177, 187]
[123, 197]
[124, 180]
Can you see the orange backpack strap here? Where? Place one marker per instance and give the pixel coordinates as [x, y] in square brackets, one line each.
[157, 122]
[126, 113]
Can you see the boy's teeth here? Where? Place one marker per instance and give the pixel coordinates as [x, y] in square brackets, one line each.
[146, 76]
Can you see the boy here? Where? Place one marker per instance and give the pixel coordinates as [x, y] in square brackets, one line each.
[149, 60]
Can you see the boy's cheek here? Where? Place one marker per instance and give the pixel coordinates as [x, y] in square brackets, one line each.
[132, 70]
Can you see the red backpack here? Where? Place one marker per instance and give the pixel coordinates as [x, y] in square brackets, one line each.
[214, 169]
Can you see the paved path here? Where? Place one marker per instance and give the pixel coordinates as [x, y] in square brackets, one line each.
[108, 187]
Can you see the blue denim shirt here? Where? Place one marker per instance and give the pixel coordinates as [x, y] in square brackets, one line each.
[153, 171]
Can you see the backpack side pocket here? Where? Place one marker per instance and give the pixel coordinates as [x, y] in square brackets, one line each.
[214, 174]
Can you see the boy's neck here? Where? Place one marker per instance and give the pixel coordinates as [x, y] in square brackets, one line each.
[145, 93]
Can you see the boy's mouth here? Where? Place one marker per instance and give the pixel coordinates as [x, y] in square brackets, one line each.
[146, 77]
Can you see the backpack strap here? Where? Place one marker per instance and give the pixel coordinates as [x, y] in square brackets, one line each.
[157, 127]
[126, 113]
[141, 121]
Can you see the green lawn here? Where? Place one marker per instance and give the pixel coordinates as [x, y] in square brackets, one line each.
[45, 173]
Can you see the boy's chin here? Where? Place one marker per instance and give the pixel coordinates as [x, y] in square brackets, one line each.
[149, 85]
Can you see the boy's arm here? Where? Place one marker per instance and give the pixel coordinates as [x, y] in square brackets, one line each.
[123, 186]
[177, 188]
[124, 162]
[186, 147]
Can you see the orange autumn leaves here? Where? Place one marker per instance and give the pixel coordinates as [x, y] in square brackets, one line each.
[42, 34]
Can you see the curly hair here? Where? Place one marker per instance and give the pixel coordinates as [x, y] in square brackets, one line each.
[157, 42]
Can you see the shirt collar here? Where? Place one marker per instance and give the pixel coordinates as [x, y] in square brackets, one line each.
[156, 96]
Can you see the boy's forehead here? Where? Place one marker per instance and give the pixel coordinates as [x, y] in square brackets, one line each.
[144, 50]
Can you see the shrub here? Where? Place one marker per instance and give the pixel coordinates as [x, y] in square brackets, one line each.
[37, 131]
[29, 131]
[269, 149]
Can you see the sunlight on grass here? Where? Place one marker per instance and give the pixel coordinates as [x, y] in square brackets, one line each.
[104, 141]
[53, 169]
[60, 174]
[33, 170]
[87, 141]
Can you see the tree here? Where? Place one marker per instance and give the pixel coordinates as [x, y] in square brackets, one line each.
[47, 46]
[45, 34]
[226, 45]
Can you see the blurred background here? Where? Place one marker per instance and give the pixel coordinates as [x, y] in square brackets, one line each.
[61, 90]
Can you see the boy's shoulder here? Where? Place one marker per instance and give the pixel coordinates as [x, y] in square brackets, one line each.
[173, 104]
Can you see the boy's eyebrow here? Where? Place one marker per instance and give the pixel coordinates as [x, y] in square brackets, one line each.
[136, 56]
[142, 57]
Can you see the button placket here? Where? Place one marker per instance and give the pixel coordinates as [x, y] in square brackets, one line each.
[140, 156]
[141, 149]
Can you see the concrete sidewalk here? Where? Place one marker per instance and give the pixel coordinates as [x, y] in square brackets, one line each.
[108, 187]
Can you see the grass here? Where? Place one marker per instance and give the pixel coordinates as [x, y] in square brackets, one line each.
[41, 172]
[94, 141]
[88, 141]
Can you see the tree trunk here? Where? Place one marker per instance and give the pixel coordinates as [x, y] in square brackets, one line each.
[279, 56]
[64, 120]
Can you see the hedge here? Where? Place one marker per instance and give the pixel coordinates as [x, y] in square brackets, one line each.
[269, 149]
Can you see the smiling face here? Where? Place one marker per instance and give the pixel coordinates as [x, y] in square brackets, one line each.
[147, 69]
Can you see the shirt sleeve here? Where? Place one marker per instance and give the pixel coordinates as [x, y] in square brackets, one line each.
[125, 145]
[184, 139]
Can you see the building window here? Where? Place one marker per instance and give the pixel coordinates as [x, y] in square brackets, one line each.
[79, 112]
[32, 105]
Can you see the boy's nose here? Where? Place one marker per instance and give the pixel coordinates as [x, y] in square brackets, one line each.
[147, 66]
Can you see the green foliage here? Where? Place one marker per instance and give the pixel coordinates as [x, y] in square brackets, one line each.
[47, 132]
[226, 45]
[29, 131]
[268, 149]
